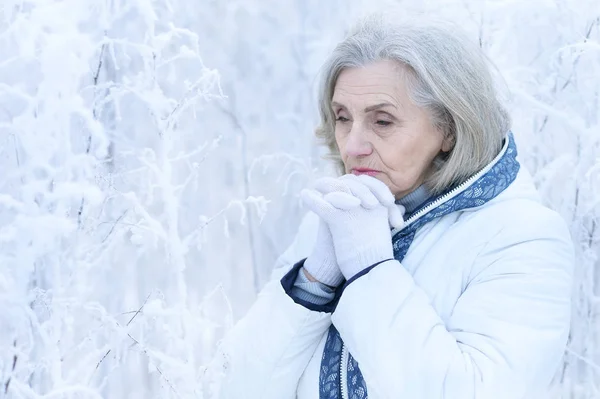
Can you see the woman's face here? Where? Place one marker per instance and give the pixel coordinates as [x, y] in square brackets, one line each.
[380, 132]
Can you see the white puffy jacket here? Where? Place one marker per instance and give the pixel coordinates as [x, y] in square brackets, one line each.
[478, 308]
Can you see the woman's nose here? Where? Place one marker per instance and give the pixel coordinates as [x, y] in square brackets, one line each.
[358, 144]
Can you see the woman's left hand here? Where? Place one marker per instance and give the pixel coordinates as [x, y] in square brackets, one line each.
[358, 210]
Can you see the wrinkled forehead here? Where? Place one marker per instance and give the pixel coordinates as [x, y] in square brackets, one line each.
[374, 83]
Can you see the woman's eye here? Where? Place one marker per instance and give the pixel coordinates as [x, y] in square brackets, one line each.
[383, 123]
[341, 119]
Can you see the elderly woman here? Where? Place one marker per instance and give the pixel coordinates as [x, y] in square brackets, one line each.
[436, 272]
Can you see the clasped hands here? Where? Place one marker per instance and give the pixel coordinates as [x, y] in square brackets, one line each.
[356, 213]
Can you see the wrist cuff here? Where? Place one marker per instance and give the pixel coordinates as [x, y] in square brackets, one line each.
[328, 274]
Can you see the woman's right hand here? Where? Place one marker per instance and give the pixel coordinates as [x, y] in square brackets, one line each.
[358, 212]
[321, 265]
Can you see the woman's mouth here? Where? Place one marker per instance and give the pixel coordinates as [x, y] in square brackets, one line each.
[365, 171]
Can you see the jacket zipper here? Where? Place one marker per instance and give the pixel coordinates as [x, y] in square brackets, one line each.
[453, 193]
[344, 372]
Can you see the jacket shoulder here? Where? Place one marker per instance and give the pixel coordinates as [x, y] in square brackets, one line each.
[524, 219]
[522, 236]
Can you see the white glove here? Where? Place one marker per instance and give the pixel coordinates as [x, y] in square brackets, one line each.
[321, 263]
[381, 192]
[358, 211]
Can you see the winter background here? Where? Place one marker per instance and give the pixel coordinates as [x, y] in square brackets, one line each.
[151, 156]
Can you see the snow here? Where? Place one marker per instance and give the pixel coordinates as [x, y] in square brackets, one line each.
[152, 157]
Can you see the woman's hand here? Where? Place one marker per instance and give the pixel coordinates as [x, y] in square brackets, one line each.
[321, 264]
[358, 211]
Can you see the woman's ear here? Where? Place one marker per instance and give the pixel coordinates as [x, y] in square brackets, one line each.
[448, 143]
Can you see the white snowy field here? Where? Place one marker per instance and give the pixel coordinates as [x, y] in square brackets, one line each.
[151, 156]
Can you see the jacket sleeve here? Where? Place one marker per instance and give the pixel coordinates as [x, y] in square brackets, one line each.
[504, 339]
[267, 351]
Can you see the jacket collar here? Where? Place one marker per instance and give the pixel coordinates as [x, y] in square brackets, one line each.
[475, 192]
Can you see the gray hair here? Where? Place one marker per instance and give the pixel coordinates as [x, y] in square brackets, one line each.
[446, 74]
